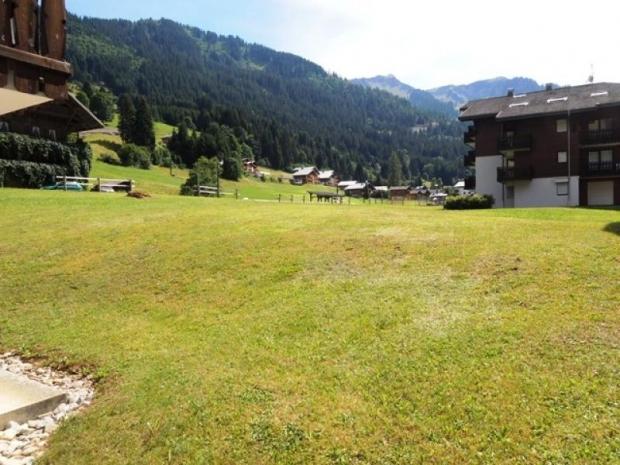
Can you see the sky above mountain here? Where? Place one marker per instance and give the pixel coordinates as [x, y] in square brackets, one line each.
[425, 44]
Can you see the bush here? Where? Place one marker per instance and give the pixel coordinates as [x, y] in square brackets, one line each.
[161, 156]
[469, 202]
[110, 159]
[133, 155]
[204, 172]
[32, 163]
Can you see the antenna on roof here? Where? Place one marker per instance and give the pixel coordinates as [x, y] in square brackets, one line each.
[591, 77]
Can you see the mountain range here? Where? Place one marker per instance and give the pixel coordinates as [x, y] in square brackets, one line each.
[447, 100]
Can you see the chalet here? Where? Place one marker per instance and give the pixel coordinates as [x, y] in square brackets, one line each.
[250, 167]
[34, 97]
[308, 175]
[557, 147]
[359, 190]
[401, 193]
[459, 188]
[329, 178]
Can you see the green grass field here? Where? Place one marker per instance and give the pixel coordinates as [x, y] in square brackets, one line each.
[158, 180]
[228, 332]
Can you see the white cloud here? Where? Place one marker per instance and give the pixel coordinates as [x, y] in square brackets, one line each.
[438, 42]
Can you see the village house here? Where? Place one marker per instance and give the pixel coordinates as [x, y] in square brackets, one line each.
[359, 190]
[401, 193]
[250, 167]
[557, 147]
[329, 178]
[307, 175]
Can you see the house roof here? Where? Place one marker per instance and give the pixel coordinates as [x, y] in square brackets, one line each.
[542, 103]
[355, 187]
[326, 174]
[399, 188]
[460, 185]
[346, 183]
[307, 171]
[69, 113]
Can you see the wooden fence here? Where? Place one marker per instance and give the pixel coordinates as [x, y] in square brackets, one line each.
[126, 185]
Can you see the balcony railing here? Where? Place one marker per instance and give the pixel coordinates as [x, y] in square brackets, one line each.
[470, 183]
[470, 158]
[603, 136]
[470, 135]
[515, 142]
[514, 174]
[603, 168]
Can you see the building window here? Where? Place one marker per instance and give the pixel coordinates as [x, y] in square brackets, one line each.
[562, 157]
[562, 125]
[562, 188]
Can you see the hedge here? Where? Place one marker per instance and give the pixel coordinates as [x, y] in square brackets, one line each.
[33, 163]
[469, 202]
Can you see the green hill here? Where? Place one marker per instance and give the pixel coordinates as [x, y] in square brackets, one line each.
[289, 110]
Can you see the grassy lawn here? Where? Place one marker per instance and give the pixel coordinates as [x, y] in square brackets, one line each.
[158, 180]
[228, 332]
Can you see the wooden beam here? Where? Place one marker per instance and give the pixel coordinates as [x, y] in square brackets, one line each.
[36, 60]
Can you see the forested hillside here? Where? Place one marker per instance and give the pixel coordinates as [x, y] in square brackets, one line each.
[287, 109]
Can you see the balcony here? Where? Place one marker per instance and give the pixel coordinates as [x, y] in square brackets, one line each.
[470, 183]
[470, 158]
[515, 142]
[603, 168]
[470, 136]
[519, 173]
[601, 137]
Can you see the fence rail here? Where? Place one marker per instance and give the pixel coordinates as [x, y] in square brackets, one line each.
[127, 184]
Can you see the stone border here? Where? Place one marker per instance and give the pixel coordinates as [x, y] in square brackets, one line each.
[23, 444]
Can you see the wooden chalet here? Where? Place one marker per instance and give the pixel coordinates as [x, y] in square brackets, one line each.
[307, 175]
[34, 97]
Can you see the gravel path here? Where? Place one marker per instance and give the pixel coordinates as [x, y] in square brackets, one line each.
[23, 444]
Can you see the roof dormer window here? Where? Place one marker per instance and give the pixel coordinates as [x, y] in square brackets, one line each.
[521, 104]
[557, 100]
[600, 94]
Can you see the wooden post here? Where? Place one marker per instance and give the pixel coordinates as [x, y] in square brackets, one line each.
[292, 199]
[237, 194]
[131, 185]
[279, 198]
[99, 184]
[65, 182]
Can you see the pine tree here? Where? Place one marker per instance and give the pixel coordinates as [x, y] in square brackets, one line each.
[143, 129]
[395, 171]
[127, 118]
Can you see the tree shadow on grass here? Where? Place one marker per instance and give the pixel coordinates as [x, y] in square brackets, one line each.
[113, 146]
[613, 228]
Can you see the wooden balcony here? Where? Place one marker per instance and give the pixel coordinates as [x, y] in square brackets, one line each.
[515, 142]
[601, 137]
[470, 158]
[518, 173]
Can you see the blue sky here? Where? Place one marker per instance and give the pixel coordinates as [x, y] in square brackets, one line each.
[423, 43]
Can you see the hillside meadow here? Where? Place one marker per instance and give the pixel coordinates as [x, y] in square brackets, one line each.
[159, 180]
[232, 332]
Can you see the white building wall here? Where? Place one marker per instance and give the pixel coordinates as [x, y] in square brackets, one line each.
[542, 192]
[486, 178]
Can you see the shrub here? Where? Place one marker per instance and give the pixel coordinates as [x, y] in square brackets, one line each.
[469, 202]
[110, 159]
[133, 155]
[161, 156]
[32, 163]
[204, 172]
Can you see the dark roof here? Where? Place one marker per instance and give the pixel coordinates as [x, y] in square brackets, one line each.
[546, 102]
[69, 113]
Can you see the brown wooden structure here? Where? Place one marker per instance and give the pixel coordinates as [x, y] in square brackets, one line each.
[32, 47]
[34, 98]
